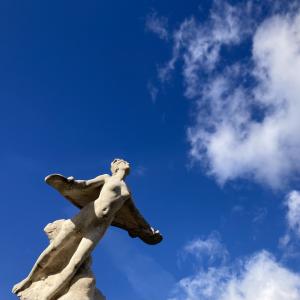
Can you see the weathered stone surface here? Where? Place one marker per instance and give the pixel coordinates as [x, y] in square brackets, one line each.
[63, 270]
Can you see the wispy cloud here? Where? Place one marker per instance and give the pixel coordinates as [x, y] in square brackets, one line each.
[146, 276]
[158, 25]
[153, 91]
[198, 45]
[246, 121]
[140, 171]
[293, 213]
[290, 242]
[209, 249]
[260, 214]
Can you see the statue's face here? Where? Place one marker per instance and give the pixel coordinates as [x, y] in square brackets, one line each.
[124, 165]
[119, 164]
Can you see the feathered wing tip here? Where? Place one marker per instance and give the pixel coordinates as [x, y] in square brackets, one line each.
[130, 219]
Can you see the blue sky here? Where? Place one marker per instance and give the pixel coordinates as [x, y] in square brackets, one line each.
[201, 97]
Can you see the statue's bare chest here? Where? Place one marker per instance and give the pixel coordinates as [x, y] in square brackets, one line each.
[118, 187]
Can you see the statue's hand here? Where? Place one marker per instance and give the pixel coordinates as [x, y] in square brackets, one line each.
[154, 231]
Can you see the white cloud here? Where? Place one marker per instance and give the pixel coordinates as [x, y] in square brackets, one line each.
[290, 242]
[258, 277]
[157, 25]
[247, 108]
[293, 214]
[210, 249]
[199, 46]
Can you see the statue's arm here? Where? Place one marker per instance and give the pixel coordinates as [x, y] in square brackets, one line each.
[97, 181]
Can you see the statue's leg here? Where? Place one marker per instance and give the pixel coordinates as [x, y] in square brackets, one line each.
[84, 249]
[63, 236]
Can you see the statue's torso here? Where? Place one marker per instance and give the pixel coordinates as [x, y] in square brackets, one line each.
[114, 189]
[111, 198]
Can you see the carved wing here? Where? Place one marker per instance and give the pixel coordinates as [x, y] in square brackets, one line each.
[128, 217]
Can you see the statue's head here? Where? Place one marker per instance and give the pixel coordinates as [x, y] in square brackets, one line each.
[52, 229]
[120, 164]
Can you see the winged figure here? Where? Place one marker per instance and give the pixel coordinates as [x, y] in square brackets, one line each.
[103, 201]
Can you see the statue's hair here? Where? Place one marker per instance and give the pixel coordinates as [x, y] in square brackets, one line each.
[52, 229]
[114, 164]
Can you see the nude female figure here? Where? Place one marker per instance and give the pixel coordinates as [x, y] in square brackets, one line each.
[79, 235]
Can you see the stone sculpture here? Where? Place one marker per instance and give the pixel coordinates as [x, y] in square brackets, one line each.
[62, 272]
